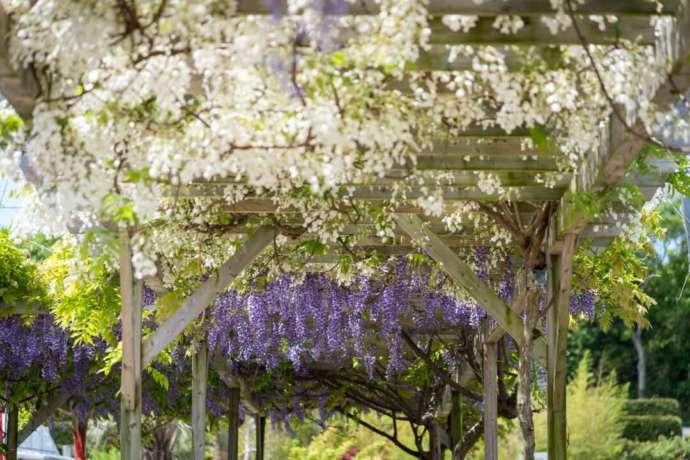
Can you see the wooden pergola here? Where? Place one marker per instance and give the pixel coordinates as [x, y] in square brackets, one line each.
[478, 150]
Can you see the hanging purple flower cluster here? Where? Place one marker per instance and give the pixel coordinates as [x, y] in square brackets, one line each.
[583, 303]
[40, 347]
[315, 319]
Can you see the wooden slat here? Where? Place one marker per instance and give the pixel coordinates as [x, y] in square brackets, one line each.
[204, 295]
[199, 390]
[533, 194]
[535, 32]
[488, 7]
[465, 277]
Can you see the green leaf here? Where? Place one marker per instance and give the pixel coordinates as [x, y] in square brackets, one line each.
[159, 377]
[541, 141]
[680, 182]
[314, 247]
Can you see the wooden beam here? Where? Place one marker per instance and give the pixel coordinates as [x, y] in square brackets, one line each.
[256, 205]
[536, 32]
[233, 423]
[465, 277]
[608, 164]
[199, 390]
[489, 7]
[452, 179]
[131, 294]
[560, 274]
[205, 294]
[490, 381]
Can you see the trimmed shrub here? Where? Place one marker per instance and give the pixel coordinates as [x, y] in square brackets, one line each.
[662, 449]
[656, 406]
[650, 427]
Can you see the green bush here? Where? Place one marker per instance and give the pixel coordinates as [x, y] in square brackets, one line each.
[656, 406]
[594, 418]
[650, 427]
[663, 449]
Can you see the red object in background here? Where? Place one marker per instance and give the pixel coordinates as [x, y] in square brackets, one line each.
[79, 439]
[2, 429]
[350, 454]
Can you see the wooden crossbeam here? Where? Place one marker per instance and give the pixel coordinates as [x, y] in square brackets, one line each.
[607, 165]
[489, 7]
[204, 295]
[255, 205]
[465, 277]
[535, 32]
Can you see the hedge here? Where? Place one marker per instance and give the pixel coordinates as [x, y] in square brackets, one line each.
[663, 449]
[650, 427]
[656, 406]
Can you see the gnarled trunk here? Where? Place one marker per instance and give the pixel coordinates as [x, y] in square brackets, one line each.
[528, 294]
[163, 437]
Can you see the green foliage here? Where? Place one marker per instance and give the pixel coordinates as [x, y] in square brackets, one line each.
[650, 427]
[109, 454]
[338, 438]
[654, 406]
[616, 275]
[85, 287]
[10, 123]
[663, 449]
[594, 417]
[20, 284]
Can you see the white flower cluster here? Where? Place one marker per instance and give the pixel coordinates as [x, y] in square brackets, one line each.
[140, 105]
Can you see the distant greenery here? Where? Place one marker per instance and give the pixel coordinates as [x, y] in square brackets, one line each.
[667, 349]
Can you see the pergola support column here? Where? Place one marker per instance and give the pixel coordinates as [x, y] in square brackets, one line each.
[560, 276]
[490, 380]
[260, 422]
[131, 294]
[233, 423]
[199, 389]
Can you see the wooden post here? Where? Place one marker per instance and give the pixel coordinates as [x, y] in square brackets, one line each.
[12, 431]
[490, 373]
[233, 423]
[455, 419]
[131, 294]
[560, 273]
[260, 436]
[199, 388]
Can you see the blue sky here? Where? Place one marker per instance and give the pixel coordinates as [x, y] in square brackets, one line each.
[8, 204]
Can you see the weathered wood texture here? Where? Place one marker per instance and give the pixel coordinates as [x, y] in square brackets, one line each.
[465, 277]
[131, 293]
[233, 423]
[490, 400]
[199, 391]
[491, 7]
[260, 421]
[206, 293]
[560, 280]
